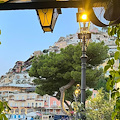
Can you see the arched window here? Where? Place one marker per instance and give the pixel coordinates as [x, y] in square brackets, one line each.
[32, 104]
[36, 105]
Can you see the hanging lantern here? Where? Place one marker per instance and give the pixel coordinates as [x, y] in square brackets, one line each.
[82, 17]
[47, 18]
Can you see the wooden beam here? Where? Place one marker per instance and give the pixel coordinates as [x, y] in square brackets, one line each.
[41, 5]
[14, 5]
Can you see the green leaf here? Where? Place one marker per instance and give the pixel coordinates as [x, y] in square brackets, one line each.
[4, 116]
[109, 84]
[117, 94]
[111, 62]
[114, 114]
[113, 31]
[109, 30]
[113, 95]
[118, 48]
[1, 106]
[117, 79]
[1, 118]
[117, 42]
[117, 54]
[106, 68]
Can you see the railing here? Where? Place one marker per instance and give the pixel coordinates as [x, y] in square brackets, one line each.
[30, 98]
[55, 106]
[48, 113]
[11, 98]
[14, 106]
[20, 100]
[27, 106]
[38, 99]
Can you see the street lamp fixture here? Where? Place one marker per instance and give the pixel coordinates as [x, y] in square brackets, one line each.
[48, 18]
[84, 35]
[82, 17]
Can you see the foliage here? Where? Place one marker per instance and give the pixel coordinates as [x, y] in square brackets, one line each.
[114, 77]
[99, 108]
[56, 70]
[4, 108]
[101, 83]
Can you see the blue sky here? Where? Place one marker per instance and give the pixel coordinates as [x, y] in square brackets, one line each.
[21, 34]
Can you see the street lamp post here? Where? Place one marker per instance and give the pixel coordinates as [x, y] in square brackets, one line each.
[84, 35]
[83, 70]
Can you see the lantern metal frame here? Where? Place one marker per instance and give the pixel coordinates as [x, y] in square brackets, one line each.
[54, 16]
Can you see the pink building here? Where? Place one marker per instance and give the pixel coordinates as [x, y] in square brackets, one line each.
[94, 93]
[52, 105]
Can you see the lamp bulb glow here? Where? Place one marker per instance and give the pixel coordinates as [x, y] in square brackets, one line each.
[84, 17]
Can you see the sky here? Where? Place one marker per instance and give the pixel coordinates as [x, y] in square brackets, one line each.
[21, 34]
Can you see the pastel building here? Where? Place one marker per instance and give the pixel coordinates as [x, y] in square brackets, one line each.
[16, 78]
[95, 92]
[23, 100]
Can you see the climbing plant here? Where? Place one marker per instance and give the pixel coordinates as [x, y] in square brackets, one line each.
[114, 77]
[4, 109]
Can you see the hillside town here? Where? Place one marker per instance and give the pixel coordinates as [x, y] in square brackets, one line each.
[18, 89]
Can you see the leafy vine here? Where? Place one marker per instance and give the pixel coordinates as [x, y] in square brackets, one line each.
[114, 77]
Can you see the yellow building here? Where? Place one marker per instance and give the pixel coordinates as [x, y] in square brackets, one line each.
[23, 103]
[21, 98]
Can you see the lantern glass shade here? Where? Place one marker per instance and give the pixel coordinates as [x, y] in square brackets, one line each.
[82, 17]
[47, 18]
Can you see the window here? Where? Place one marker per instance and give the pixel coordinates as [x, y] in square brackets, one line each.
[36, 105]
[11, 104]
[54, 111]
[94, 95]
[33, 97]
[54, 102]
[22, 104]
[25, 76]
[32, 104]
[17, 77]
[15, 104]
[40, 104]
[28, 104]
[28, 97]
[22, 97]
[17, 98]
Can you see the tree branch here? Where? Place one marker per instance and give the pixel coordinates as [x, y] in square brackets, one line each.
[62, 90]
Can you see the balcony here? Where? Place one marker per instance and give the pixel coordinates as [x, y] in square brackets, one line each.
[14, 106]
[22, 106]
[38, 99]
[20, 100]
[28, 107]
[5, 95]
[11, 98]
[55, 106]
[30, 98]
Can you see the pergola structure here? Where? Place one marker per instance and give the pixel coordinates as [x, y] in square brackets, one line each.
[111, 8]
[42, 4]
